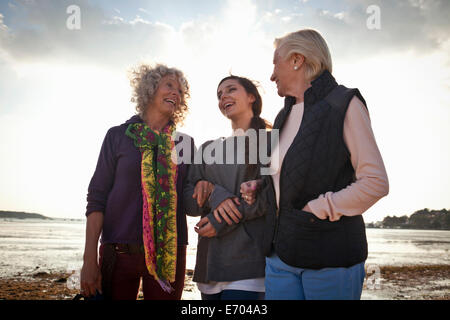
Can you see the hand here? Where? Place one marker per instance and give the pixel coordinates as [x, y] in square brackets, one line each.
[205, 229]
[248, 190]
[228, 211]
[307, 209]
[322, 215]
[90, 278]
[202, 191]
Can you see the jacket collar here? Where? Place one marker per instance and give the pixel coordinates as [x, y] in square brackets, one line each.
[320, 88]
[134, 119]
[137, 119]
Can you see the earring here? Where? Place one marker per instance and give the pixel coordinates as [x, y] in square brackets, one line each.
[295, 67]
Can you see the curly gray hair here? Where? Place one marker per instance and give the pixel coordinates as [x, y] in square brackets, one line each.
[145, 79]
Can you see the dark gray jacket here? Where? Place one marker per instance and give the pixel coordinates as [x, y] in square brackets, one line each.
[235, 253]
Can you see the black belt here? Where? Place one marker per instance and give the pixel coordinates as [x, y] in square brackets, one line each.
[128, 248]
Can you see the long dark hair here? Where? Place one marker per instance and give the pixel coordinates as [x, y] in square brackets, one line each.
[256, 122]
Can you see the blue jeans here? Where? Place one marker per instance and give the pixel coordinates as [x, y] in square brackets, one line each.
[284, 282]
[234, 295]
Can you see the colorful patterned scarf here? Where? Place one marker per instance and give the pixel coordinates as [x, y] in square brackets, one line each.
[159, 180]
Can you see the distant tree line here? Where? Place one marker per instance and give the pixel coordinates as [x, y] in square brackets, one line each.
[421, 219]
[21, 215]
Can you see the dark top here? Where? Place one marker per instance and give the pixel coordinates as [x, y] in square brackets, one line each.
[235, 252]
[115, 189]
[317, 161]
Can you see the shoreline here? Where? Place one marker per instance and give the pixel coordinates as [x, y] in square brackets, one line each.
[409, 282]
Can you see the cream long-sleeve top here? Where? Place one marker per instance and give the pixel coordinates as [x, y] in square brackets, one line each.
[371, 178]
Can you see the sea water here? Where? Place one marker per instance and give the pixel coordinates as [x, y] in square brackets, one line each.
[32, 245]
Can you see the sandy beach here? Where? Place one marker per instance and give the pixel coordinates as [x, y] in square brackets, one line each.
[420, 282]
[38, 259]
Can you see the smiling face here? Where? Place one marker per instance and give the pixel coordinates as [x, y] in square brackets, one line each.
[234, 101]
[283, 74]
[167, 97]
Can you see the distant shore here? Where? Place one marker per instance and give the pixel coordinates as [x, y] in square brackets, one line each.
[22, 215]
[424, 219]
[6, 215]
[420, 282]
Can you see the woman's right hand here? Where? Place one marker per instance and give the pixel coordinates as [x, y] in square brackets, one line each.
[202, 191]
[90, 278]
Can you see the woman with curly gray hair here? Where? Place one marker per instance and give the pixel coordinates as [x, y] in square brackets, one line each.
[133, 196]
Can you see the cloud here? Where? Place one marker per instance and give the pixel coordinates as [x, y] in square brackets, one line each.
[421, 26]
[101, 39]
[143, 10]
[3, 29]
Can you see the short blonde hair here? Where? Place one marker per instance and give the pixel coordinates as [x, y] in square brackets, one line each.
[145, 79]
[310, 44]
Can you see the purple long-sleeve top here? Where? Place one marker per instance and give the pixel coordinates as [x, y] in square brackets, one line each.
[115, 189]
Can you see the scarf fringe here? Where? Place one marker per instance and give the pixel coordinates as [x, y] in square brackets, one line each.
[165, 285]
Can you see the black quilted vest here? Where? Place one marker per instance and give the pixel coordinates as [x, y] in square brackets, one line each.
[317, 161]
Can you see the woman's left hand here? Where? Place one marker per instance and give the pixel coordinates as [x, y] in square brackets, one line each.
[321, 216]
[307, 209]
[205, 229]
[228, 211]
[249, 189]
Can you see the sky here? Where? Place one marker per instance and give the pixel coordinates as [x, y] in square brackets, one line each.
[63, 85]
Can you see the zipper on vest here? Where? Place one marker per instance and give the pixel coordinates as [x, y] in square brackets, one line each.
[277, 213]
[277, 216]
[276, 227]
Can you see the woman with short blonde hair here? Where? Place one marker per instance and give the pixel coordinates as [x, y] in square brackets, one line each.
[328, 172]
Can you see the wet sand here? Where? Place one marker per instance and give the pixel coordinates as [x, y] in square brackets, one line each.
[420, 282]
[430, 282]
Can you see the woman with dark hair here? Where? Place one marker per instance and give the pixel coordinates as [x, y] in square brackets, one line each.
[230, 264]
